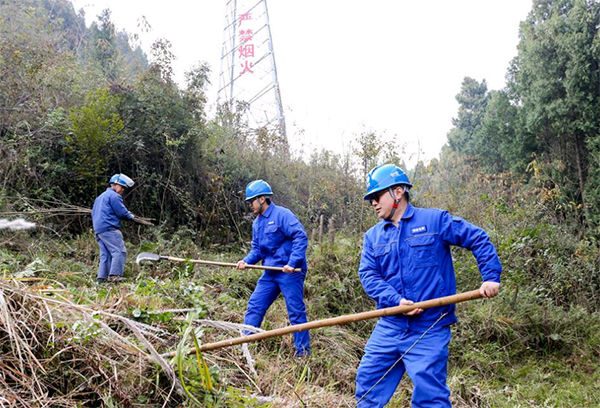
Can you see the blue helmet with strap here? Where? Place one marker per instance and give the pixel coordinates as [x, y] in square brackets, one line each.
[383, 177]
[122, 180]
[257, 188]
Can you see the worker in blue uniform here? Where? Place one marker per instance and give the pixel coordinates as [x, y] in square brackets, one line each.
[278, 239]
[107, 213]
[406, 258]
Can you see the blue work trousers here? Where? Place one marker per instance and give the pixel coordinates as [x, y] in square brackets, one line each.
[426, 364]
[112, 253]
[268, 287]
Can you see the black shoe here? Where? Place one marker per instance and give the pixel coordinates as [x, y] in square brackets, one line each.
[101, 280]
[116, 278]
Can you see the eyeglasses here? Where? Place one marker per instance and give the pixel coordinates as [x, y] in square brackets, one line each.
[375, 197]
[252, 200]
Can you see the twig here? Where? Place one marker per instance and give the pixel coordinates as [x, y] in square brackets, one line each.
[157, 358]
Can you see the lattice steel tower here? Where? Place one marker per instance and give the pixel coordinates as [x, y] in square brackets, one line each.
[248, 71]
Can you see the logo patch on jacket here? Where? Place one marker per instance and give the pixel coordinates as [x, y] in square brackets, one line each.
[270, 222]
[419, 230]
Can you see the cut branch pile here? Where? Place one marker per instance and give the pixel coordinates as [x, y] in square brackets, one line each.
[56, 353]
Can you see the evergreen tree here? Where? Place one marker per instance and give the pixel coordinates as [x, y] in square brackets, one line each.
[466, 136]
[556, 81]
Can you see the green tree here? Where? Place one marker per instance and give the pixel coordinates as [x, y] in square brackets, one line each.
[40, 79]
[505, 143]
[104, 45]
[94, 130]
[161, 133]
[555, 78]
[466, 137]
[111, 51]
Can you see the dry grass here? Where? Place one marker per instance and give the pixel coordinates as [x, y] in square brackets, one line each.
[57, 353]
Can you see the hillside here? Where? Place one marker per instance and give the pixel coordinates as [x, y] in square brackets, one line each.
[78, 104]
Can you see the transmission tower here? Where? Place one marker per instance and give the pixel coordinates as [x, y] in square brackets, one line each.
[248, 71]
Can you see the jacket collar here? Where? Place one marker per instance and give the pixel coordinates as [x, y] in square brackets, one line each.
[408, 214]
[268, 212]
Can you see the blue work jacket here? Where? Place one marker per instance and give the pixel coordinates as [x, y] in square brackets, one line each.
[414, 261]
[108, 211]
[278, 239]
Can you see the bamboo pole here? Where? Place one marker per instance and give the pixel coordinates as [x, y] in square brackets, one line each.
[334, 321]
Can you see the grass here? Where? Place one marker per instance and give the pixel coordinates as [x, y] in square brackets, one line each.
[518, 350]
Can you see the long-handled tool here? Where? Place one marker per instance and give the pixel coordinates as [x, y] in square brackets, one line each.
[427, 304]
[147, 256]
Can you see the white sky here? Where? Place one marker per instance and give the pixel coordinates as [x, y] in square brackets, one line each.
[348, 66]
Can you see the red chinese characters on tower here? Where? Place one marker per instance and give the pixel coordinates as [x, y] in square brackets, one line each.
[246, 67]
[244, 17]
[246, 49]
[246, 36]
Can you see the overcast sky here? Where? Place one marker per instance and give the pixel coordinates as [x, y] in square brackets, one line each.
[347, 66]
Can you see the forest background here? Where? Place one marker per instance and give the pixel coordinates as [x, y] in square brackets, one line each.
[78, 104]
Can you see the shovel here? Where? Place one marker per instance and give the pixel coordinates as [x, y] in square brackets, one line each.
[333, 321]
[147, 256]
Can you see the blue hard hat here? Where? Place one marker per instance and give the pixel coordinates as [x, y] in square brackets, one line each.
[385, 176]
[257, 188]
[122, 180]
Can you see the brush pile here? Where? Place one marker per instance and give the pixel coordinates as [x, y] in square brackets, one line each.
[57, 353]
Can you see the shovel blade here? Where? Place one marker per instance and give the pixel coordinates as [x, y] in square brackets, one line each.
[147, 256]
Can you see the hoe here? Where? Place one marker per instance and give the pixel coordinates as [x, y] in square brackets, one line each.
[147, 256]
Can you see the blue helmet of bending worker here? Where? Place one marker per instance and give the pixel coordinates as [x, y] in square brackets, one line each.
[257, 188]
[122, 180]
[383, 177]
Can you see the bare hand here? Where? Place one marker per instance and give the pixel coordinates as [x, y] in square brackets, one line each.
[241, 265]
[288, 269]
[405, 302]
[489, 289]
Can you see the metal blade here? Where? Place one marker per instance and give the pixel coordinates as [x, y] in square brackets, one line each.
[147, 256]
